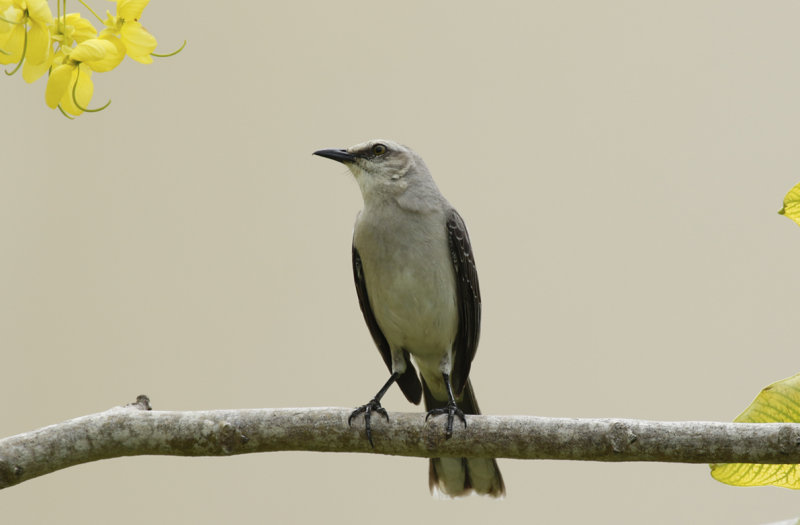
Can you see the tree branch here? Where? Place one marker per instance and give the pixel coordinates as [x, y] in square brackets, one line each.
[136, 430]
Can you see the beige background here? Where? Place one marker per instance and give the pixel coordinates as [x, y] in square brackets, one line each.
[619, 165]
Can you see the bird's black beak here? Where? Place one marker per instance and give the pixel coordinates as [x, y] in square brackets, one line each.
[339, 155]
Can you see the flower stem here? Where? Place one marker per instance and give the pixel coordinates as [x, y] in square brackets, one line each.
[170, 54]
[75, 99]
[64, 112]
[87, 7]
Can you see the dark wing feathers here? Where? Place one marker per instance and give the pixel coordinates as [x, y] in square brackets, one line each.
[408, 381]
[468, 300]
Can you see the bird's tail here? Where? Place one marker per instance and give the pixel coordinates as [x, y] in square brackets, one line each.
[455, 477]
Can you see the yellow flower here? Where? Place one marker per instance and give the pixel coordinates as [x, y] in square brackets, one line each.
[73, 29]
[72, 71]
[137, 41]
[791, 204]
[66, 31]
[72, 88]
[12, 32]
[36, 44]
[39, 17]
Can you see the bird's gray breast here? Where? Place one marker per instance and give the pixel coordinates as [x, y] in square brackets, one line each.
[410, 279]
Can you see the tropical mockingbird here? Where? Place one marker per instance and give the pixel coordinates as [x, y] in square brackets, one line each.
[418, 290]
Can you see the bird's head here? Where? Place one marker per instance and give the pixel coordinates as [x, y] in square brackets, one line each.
[381, 167]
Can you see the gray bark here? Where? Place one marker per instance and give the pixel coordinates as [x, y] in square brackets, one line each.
[136, 430]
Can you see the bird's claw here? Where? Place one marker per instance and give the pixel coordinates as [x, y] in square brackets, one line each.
[452, 412]
[367, 410]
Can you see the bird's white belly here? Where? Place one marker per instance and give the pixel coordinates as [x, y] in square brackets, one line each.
[410, 282]
[417, 316]
[415, 307]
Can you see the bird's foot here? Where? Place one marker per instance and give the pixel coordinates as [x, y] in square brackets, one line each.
[373, 406]
[452, 412]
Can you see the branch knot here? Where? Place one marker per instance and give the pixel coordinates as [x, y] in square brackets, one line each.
[620, 437]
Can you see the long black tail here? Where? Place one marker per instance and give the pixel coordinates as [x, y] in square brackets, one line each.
[456, 477]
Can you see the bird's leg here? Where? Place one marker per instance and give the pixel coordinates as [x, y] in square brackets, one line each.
[451, 409]
[374, 405]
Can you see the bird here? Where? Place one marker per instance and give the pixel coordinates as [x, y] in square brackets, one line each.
[417, 288]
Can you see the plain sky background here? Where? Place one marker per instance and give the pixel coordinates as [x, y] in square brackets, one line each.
[619, 166]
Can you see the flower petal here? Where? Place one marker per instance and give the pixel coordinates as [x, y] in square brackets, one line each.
[13, 45]
[98, 53]
[39, 48]
[9, 13]
[83, 92]
[112, 59]
[131, 10]
[82, 29]
[57, 85]
[32, 72]
[39, 11]
[138, 42]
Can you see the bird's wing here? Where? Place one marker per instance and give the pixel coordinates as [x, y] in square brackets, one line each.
[468, 297]
[408, 381]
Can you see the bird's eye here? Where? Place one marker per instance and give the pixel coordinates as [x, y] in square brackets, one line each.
[378, 149]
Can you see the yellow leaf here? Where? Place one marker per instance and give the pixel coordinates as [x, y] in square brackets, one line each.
[777, 403]
[791, 204]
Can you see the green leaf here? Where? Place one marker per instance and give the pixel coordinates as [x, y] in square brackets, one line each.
[791, 204]
[777, 403]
